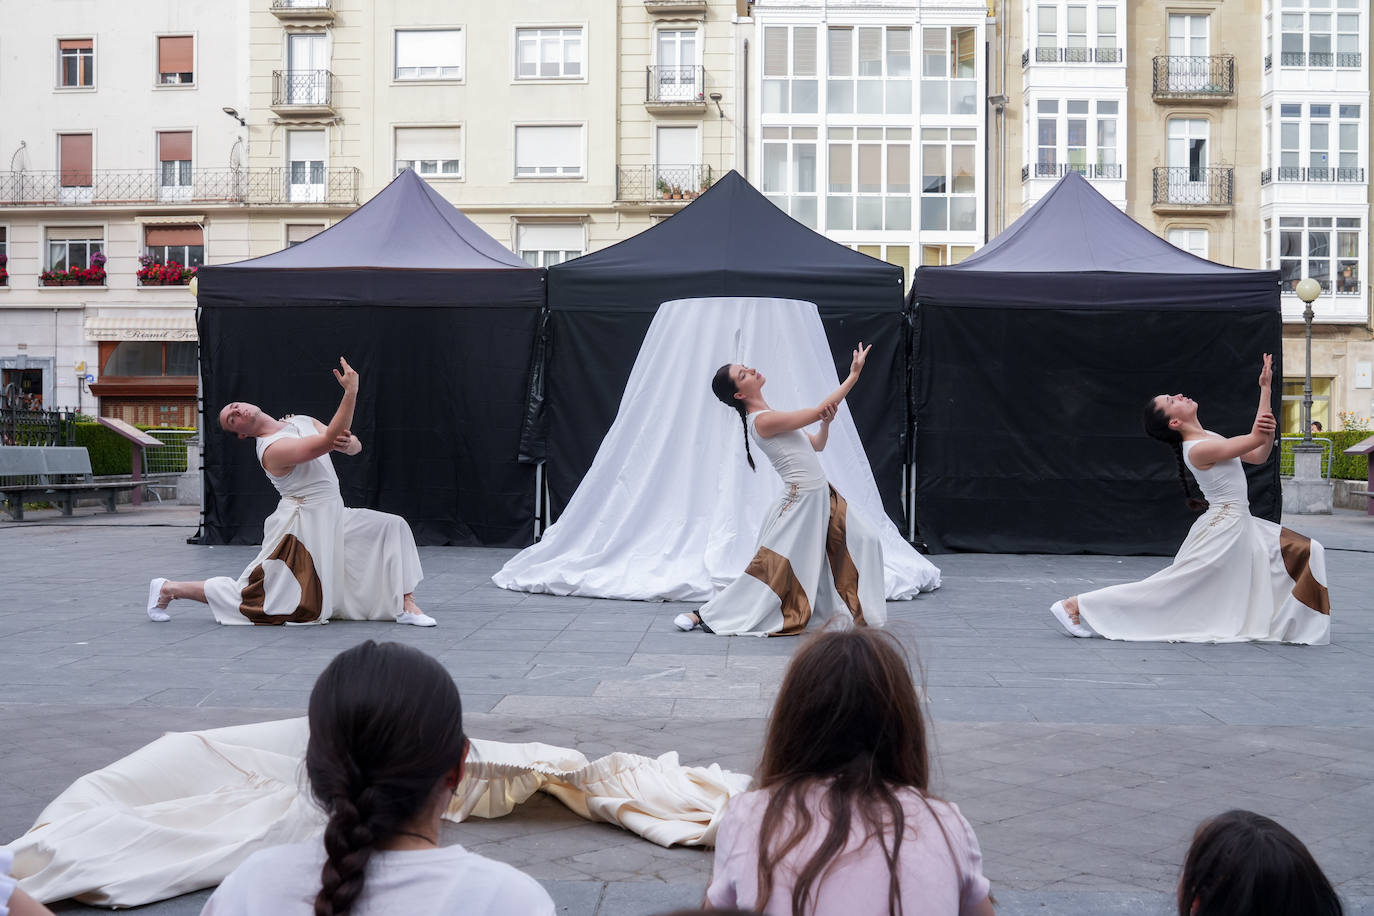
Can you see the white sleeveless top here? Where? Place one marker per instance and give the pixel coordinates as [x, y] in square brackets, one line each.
[791, 455]
[1223, 482]
[313, 478]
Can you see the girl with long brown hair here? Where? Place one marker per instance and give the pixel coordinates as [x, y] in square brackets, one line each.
[842, 820]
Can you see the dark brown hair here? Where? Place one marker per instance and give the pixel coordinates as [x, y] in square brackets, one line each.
[1244, 864]
[1157, 427]
[847, 721]
[725, 389]
[386, 726]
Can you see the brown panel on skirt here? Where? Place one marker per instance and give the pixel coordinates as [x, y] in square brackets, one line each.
[841, 563]
[1296, 550]
[775, 571]
[297, 559]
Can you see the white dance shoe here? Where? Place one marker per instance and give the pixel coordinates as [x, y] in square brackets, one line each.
[155, 613]
[1061, 614]
[686, 622]
[418, 619]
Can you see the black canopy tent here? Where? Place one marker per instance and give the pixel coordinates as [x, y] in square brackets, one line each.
[438, 318]
[1034, 359]
[731, 241]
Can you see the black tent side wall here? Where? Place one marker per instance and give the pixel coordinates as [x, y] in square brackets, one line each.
[1029, 432]
[598, 321]
[439, 409]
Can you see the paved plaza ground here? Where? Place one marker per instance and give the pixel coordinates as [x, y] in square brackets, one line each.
[1083, 765]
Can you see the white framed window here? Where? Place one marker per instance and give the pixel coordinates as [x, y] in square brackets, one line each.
[1078, 135]
[176, 60]
[73, 246]
[1108, 50]
[174, 164]
[1327, 249]
[1108, 166]
[868, 181]
[435, 152]
[949, 59]
[549, 54]
[1193, 241]
[869, 70]
[4, 256]
[1320, 142]
[1046, 32]
[429, 54]
[305, 156]
[678, 76]
[944, 255]
[1320, 33]
[549, 151]
[76, 63]
[547, 244]
[183, 244]
[949, 182]
[295, 233]
[75, 164]
[790, 85]
[789, 172]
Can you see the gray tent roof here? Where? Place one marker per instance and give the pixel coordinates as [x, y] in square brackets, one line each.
[407, 225]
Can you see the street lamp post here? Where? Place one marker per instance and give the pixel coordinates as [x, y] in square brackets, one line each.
[1308, 290]
[1308, 492]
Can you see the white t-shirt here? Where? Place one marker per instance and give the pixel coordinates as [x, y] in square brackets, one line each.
[285, 880]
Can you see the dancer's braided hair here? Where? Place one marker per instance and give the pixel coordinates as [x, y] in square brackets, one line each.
[724, 388]
[1157, 427]
[386, 727]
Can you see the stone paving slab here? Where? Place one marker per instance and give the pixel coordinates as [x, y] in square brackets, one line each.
[1083, 765]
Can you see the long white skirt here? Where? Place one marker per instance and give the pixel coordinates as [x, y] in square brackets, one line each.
[320, 560]
[815, 557]
[1236, 578]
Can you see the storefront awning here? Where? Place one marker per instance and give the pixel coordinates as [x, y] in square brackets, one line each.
[134, 327]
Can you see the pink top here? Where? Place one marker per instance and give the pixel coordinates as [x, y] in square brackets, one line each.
[937, 877]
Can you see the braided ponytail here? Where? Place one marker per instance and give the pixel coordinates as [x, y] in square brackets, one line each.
[386, 728]
[1157, 427]
[724, 388]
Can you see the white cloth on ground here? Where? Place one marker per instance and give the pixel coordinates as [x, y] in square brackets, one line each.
[814, 555]
[180, 813]
[669, 510]
[1235, 578]
[448, 881]
[7, 882]
[319, 559]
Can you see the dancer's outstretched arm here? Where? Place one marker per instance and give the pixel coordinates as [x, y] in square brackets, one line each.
[284, 454]
[774, 422]
[819, 438]
[1258, 442]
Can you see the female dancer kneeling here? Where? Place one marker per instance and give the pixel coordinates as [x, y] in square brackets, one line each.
[809, 525]
[383, 767]
[1236, 577]
[842, 820]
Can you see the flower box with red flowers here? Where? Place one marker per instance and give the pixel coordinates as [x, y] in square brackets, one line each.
[93, 275]
[4, 274]
[151, 273]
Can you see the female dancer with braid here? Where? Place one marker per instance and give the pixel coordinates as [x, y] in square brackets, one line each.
[814, 553]
[1236, 577]
[383, 767]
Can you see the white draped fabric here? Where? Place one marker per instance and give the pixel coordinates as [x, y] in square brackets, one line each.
[669, 509]
[181, 813]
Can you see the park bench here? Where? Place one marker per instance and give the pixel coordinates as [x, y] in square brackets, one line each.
[60, 474]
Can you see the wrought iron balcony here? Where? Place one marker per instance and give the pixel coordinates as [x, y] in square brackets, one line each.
[1266, 176]
[1071, 56]
[1060, 169]
[1197, 78]
[645, 183]
[1348, 59]
[675, 87]
[1268, 62]
[1292, 59]
[302, 91]
[1285, 173]
[1190, 187]
[303, 10]
[207, 187]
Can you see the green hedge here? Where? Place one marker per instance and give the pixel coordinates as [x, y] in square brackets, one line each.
[1343, 466]
[112, 454]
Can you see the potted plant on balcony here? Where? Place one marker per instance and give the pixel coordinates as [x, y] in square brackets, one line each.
[663, 188]
[77, 276]
[677, 192]
[4, 274]
[151, 273]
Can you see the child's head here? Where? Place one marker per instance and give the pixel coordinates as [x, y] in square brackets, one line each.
[1244, 864]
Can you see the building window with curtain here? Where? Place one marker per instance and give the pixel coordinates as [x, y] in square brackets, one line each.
[429, 54]
[435, 152]
[548, 151]
[74, 256]
[789, 172]
[869, 70]
[174, 164]
[76, 63]
[175, 60]
[547, 244]
[790, 85]
[299, 232]
[949, 85]
[869, 178]
[549, 54]
[170, 255]
[1327, 249]
[75, 177]
[949, 187]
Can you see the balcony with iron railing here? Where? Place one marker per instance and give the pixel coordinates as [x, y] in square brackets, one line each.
[661, 183]
[669, 89]
[1060, 169]
[303, 10]
[1196, 79]
[1076, 55]
[299, 184]
[1286, 173]
[302, 92]
[1190, 188]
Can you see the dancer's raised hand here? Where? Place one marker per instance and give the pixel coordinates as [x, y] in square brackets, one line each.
[856, 365]
[1266, 376]
[348, 378]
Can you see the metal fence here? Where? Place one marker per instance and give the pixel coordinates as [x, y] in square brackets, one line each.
[661, 182]
[316, 185]
[302, 88]
[675, 85]
[29, 426]
[171, 457]
[1202, 187]
[1286, 444]
[1192, 77]
[1060, 169]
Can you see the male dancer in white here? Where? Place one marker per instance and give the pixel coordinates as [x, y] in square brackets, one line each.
[318, 559]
